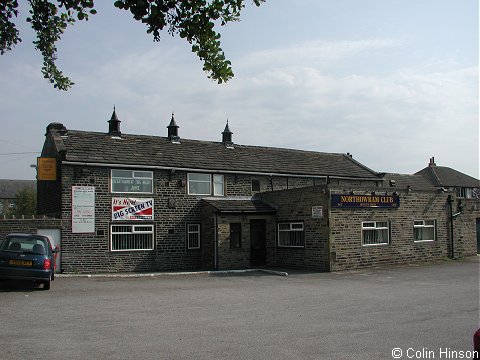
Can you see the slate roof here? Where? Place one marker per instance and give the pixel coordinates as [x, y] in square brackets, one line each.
[233, 206]
[415, 182]
[156, 151]
[10, 188]
[442, 176]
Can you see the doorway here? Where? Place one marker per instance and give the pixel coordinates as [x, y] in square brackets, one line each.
[54, 236]
[258, 246]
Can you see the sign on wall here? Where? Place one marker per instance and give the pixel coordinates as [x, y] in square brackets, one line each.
[317, 212]
[83, 209]
[132, 209]
[46, 169]
[365, 201]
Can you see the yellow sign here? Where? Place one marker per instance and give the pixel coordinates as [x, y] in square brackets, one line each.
[47, 168]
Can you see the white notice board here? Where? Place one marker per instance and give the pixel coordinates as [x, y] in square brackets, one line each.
[317, 212]
[83, 209]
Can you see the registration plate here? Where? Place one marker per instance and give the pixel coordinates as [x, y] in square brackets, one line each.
[21, 262]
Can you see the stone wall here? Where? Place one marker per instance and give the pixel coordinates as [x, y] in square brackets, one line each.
[296, 205]
[347, 251]
[464, 228]
[27, 226]
[173, 210]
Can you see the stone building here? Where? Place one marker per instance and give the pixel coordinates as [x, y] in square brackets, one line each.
[153, 203]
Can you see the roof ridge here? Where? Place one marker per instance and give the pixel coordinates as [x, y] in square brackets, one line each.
[439, 182]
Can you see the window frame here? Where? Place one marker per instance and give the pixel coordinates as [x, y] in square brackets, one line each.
[424, 226]
[198, 232]
[291, 231]
[222, 183]
[255, 182]
[238, 243]
[212, 182]
[376, 229]
[464, 192]
[133, 230]
[133, 171]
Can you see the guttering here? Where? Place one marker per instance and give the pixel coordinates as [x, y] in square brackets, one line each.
[169, 168]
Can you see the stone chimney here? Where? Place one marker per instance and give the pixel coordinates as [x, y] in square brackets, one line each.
[432, 162]
[227, 137]
[57, 127]
[114, 125]
[173, 131]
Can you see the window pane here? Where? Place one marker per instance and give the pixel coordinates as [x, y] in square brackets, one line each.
[199, 188]
[129, 238]
[199, 177]
[218, 185]
[193, 236]
[375, 233]
[291, 235]
[235, 237]
[122, 173]
[143, 174]
[218, 189]
[425, 232]
[127, 181]
[283, 226]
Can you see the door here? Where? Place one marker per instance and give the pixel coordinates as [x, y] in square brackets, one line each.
[258, 248]
[54, 236]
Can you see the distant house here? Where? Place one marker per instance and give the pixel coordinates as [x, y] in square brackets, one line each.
[9, 190]
[464, 185]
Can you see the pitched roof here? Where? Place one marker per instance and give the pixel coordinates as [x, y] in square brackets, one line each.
[10, 188]
[234, 206]
[414, 182]
[448, 177]
[155, 151]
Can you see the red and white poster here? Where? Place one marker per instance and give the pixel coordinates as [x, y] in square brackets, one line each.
[132, 209]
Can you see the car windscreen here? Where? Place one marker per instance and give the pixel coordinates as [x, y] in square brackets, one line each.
[25, 244]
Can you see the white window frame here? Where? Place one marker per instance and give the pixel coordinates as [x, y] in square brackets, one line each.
[213, 180]
[196, 232]
[292, 229]
[132, 177]
[424, 224]
[133, 230]
[376, 227]
[218, 179]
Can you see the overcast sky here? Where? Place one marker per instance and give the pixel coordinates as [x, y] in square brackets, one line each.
[391, 82]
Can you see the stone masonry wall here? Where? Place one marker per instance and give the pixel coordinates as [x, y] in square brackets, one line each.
[27, 226]
[296, 205]
[347, 251]
[173, 210]
[464, 228]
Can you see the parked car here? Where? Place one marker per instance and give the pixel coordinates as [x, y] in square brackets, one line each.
[476, 344]
[28, 257]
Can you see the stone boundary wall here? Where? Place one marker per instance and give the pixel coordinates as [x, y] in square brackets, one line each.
[27, 226]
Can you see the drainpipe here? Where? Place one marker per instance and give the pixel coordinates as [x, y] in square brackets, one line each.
[453, 216]
[450, 201]
[215, 243]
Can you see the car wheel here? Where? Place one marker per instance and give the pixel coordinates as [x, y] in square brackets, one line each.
[46, 285]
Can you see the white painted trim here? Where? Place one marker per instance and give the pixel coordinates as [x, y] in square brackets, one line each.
[128, 166]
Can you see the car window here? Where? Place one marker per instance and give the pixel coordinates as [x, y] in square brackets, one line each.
[25, 244]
